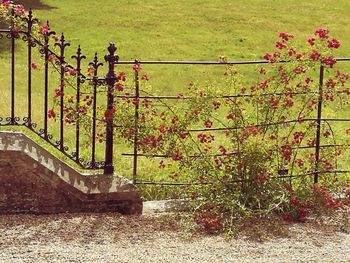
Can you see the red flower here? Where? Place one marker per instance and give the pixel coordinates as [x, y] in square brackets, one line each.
[286, 151]
[177, 156]
[311, 104]
[119, 86]
[51, 113]
[315, 55]
[294, 201]
[70, 71]
[291, 52]
[285, 36]
[183, 134]
[263, 85]
[272, 58]
[203, 138]
[163, 129]
[122, 76]
[109, 113]
[273, 137]
[216, 104]
[280, 45]
[34, 65]
[299, 162]
[208, 124]
[210, 221]
[329, 61]
[330, 83]
[322, 33]
[222, 149]
[267, 56]
[298, 137]
[145, 77]
[252, 130]
[43, 29]
[326, 134]
[58, 93]
[161, 165]
[298, 55]
[19, 10]
[51, 58]
[230, 116]
[262, 70]
[311, 41]
[136, 67]
[90, 71]
[196, 111]
[288, 103]
[329, 96]
[348, 131]
[7, 4]
[274, 102]
[334, 43]
[262, 178]
[302, 214]
[174, 120]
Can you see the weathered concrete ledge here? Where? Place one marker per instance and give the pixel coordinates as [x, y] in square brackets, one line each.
[32, 180]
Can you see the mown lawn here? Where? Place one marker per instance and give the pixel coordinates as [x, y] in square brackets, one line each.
[193, 29]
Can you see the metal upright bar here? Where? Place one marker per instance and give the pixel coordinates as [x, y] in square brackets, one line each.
[318, 124]
[30, 21]
[111, 79]
[78, 58]
[62, 45]
[29, 79]
[12, 35]
[46, 78]
[136, 119]
[95, 64]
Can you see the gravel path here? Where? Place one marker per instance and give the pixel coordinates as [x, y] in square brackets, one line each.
[114, 238]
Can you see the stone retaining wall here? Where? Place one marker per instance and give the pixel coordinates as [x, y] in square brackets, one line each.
[32, 180]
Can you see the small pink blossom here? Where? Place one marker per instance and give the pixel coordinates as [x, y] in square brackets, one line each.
[322, 33]
[334, 43]
[285, 36]
[311, 41]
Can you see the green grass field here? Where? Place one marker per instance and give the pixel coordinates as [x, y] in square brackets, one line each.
[193, 30]
[198, 30]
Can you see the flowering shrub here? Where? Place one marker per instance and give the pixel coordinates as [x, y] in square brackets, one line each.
[239, 168]
[243, 147]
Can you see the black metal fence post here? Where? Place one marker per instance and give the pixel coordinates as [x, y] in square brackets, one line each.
[45, 52]
[62, 45]
[111, 79]
[318, 123]
[78, 57]
[136, 119]
[13, 34]
[30, 43]
[95, 65]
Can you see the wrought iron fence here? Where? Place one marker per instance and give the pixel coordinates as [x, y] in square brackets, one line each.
[108, 80]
